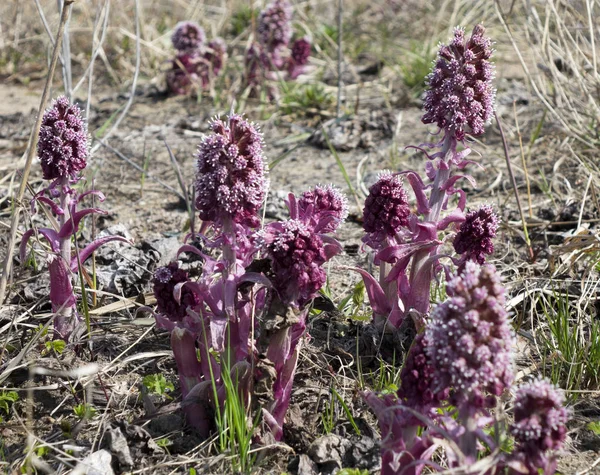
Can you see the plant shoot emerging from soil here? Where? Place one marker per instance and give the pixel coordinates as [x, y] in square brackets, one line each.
[239, 325]
[63, 152]
[461, 359]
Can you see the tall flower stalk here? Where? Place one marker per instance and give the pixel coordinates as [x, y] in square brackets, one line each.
[246, 313]
[460, 362]
[63, 152]
[460, 102]
[271, 57]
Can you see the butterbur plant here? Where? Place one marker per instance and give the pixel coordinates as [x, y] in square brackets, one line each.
[63, 152]
[271, 57]
[455, 372]
[241, 322]
[459, 365]
[407, 237]
[197, 62]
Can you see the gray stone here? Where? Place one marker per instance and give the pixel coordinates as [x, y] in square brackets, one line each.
[96, 463]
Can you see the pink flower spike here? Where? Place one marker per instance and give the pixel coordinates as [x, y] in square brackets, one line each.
[298, 58]
[539, 425]
[297, 254]
[188, 37]
[324, 208]
[231, 176]
[471, 340]
[386, 210]
[460, 98]
[474, 239]
[63, 143]
[164, 283]
[275, 25]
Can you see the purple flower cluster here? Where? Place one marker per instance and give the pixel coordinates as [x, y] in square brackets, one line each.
[474, 239]
[231, 174]
[164, 282]
[461, 96]
[416, 380]
[267, 58]
[471, 340]
[275, 26]
[298, 57]
[63, 143]
[297, 254]
[325, 207]
[386, 209]
[539, 424]
[188, 37]
[196, 63]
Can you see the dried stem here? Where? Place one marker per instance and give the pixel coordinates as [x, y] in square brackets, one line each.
[514, 185]
[523, 161]
[339, 60]
[6, 268]
[136, 73]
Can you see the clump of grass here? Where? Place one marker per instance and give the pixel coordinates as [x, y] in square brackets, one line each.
[569, 344]
[563, 38]
[415, 67]
[307, 99]
[234, 425]
[241, 19]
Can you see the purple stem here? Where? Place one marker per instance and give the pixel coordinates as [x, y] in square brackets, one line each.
[468, 440]
[66, 314]
[420, 262]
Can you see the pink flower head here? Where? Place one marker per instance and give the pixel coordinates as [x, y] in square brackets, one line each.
[301, 51]
[460, 95]
[386, 209]
[275, 25]
[164, 282]
[297, 254]
[474, 240]
[470, 338]
[299, 57]
[188, 37]
[325, 207]
[416, 386]
[63, 144]
[540, 422]
[231, 178]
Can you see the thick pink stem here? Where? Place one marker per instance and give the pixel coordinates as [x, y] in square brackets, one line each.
[66, 314]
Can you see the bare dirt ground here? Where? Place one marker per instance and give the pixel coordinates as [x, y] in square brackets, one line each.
[370, 138]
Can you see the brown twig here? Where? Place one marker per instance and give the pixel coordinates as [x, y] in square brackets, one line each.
[339, 60]
[6, 268]
[514, 185]
[523, 161]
